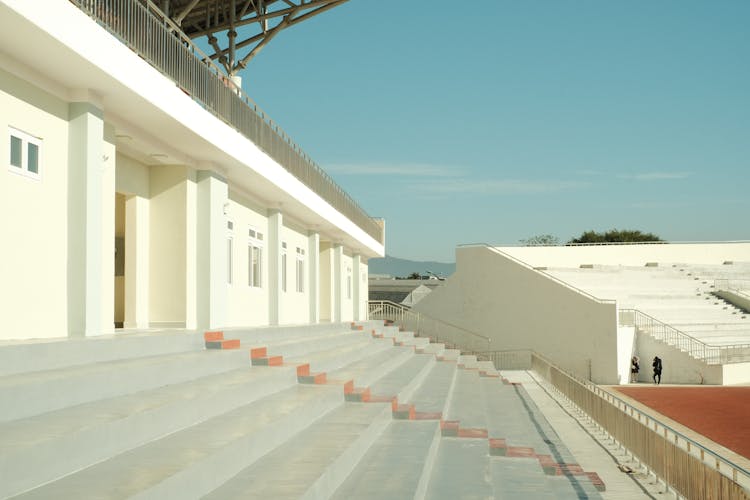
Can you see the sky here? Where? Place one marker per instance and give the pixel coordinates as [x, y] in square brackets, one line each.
[493, 121]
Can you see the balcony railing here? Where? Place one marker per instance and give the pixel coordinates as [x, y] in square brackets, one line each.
[140, 25]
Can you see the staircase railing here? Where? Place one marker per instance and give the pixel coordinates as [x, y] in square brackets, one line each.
[421, 324]
[737, 286]
[695, 348]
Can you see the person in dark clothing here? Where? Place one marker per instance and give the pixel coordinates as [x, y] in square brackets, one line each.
[634, 368]
[657, 370]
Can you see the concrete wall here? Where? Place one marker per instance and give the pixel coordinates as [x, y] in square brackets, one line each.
[626, 348]
[295, 306]
[519, 308]
[677, 366]
[171, 208]
[630, 255]
[247, 305]
[34, 253]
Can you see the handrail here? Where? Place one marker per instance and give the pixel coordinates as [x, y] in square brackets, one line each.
[145, 29]
[650, 421]
[551, 277]
[696, 348]
[734, 285]
[419, 317]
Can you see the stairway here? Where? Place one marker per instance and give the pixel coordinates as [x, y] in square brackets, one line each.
[321, 411]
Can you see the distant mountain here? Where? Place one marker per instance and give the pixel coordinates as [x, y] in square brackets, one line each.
[403, 267]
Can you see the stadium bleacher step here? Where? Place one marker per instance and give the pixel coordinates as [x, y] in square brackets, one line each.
[193, 462]
[431, 348]
[431, 398]
[316, 461]
[397, 465]
[519, 478]
[399, 384]
[55, 354]
[461, 458]
[300, 346]
[332, 359]
[364, 372]
[39, 449]
[467, 407]
[26, 394]
[449, 355]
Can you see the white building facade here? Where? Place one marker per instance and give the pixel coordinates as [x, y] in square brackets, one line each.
[132, 197]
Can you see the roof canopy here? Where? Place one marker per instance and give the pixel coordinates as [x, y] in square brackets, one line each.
[239, 29]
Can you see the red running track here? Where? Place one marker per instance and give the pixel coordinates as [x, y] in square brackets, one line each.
[722, 414]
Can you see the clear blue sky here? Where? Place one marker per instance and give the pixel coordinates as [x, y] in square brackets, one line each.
[493, 121]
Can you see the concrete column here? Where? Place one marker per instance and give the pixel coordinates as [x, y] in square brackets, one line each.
[191, 250]
[85, 165]
[107, 272]
[325, 281]
[338, 254]
[211, 253]
[136, 262]
[275, 222]
[313, 253]
[356, 283]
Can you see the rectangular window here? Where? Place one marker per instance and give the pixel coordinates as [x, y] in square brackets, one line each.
[25, 153]
[283, 266]
[254, 258]
[229, 260]
[300, 270]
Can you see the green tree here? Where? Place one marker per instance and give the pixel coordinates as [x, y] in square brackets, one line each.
[540, 240]
[413, 276]
[616, 236]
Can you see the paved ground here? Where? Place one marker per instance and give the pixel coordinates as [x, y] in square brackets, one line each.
[591, 447]
[722, 414]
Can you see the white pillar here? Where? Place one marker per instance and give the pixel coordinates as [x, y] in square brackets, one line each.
[275, 222]
[85, 149]
[356, 283]
[211, 251]
[136, 262]
[313, 252]
[338, 254]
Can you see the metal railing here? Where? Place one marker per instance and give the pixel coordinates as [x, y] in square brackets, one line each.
[688, 467]
[710, 354]
[452, 335]
[733, 285]
[512, 359]
[145, 29]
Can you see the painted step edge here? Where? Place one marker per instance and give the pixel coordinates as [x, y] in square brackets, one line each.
[223, 344]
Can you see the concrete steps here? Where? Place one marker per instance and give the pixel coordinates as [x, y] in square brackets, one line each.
[383, 422]
[464, 458]
[315, 462]
[396, 466]
[46, 447]
[27, 394]
[195, 461]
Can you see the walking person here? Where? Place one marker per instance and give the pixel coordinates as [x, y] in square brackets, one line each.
[657, 370]
[635, 366]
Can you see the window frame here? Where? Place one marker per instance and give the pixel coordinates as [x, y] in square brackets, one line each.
[254, 258]
[26, 140]
[300, 269]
